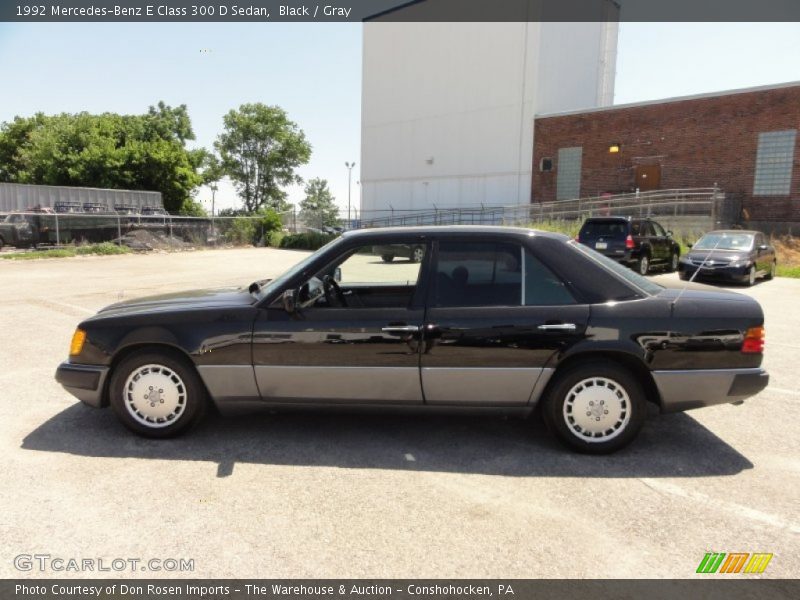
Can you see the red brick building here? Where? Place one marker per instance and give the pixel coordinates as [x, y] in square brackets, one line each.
[744, 141]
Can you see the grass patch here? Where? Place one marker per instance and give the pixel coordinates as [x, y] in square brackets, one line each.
[104, 249]
[788, 271]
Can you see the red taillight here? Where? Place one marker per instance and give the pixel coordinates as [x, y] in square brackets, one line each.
[629, 242]
[753, 341]
[578, 238]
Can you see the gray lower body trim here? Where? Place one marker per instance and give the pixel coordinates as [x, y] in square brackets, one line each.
[229, 383]
[687, 389]
[479, 386]
[339, 384]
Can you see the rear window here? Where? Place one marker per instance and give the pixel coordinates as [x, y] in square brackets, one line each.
[612, 229]
[621, 271]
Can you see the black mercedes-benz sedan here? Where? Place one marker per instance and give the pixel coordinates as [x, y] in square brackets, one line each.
[491, 319]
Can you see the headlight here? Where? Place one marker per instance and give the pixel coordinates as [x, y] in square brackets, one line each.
[76, 345]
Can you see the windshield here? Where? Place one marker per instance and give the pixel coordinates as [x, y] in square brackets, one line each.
[279, 281]
[641, 283]
[725, 241]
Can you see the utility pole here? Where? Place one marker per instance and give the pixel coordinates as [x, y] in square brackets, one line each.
[349, 166]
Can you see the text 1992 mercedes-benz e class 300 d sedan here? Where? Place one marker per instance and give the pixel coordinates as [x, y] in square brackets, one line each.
[487, 319]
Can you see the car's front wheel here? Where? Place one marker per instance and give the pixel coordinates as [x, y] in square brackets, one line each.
[751, 276]
[387, 258]
[157, 393]
[595, 408]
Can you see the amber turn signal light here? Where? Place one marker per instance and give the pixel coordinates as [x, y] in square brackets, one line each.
[753, 341]
[76, 345]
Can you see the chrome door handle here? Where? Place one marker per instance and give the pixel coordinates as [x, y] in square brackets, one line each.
[558, 327]
[400, 329]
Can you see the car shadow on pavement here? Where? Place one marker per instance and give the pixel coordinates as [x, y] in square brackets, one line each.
[673, 445]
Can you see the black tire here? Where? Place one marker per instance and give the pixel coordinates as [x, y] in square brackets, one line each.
[684, 276]
[643, 264]
[2, 243]
[752, 276]
[673, 262]
[562, 399]
[192, 408]
[770, 274]
[387, 258]
[417, 253]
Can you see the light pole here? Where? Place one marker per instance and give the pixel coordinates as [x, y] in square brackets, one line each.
[213, 188]
[349, 182]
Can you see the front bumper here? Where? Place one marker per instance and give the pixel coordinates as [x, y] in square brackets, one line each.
[726, 273]
[85, 382]
[696, 388]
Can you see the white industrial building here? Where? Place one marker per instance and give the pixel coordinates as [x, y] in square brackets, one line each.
[448, 108]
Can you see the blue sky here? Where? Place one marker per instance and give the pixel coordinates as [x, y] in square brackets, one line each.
[314, 72]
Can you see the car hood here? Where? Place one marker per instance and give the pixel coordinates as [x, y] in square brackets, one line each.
[230, 297]
[717, 255]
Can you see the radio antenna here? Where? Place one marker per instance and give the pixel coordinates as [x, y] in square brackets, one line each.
[700, 266]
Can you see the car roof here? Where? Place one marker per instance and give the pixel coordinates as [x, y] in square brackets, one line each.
[455, 229]
[748, 231]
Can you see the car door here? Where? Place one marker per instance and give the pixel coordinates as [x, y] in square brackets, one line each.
[496, 315]
[660, 242]
[764, 253]
[655, 240]
[359, 346]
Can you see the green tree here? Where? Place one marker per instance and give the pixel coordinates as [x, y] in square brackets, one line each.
[318, 208]
[136, 152]
[260, 149]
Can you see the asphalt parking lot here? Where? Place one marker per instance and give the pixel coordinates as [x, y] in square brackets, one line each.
[306, 495]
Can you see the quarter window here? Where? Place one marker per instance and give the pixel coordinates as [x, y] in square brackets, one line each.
[774, 163]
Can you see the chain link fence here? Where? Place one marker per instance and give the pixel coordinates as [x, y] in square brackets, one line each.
[26, 229]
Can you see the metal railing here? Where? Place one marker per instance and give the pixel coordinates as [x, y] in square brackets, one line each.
[689, 202]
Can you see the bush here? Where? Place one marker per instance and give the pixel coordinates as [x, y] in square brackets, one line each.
[103, 249]
[241, 231]
[255, 229]
[306, 241]
[275, 238]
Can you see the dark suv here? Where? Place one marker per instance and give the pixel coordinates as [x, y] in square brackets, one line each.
[638, 243]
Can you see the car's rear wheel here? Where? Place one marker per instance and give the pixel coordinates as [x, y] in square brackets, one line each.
[673, 262]
[643, 264]
[595, 408]
[417, 254]
[387, 258]
[773, 268]
[157, 393]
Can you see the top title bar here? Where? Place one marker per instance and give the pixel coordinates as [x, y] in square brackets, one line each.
[399, 11]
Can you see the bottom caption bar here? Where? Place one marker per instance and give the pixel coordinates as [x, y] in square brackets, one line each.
[395, 589]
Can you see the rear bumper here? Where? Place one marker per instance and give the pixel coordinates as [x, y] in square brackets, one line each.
[85, 382]
[697, 388]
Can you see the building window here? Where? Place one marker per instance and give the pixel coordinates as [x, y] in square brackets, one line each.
[774, 163]
[568, 180]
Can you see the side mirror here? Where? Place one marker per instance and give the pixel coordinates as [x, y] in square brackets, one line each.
[689, 245]
[762, 247]
[337, 274]
[669, 234]
[290, 301]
